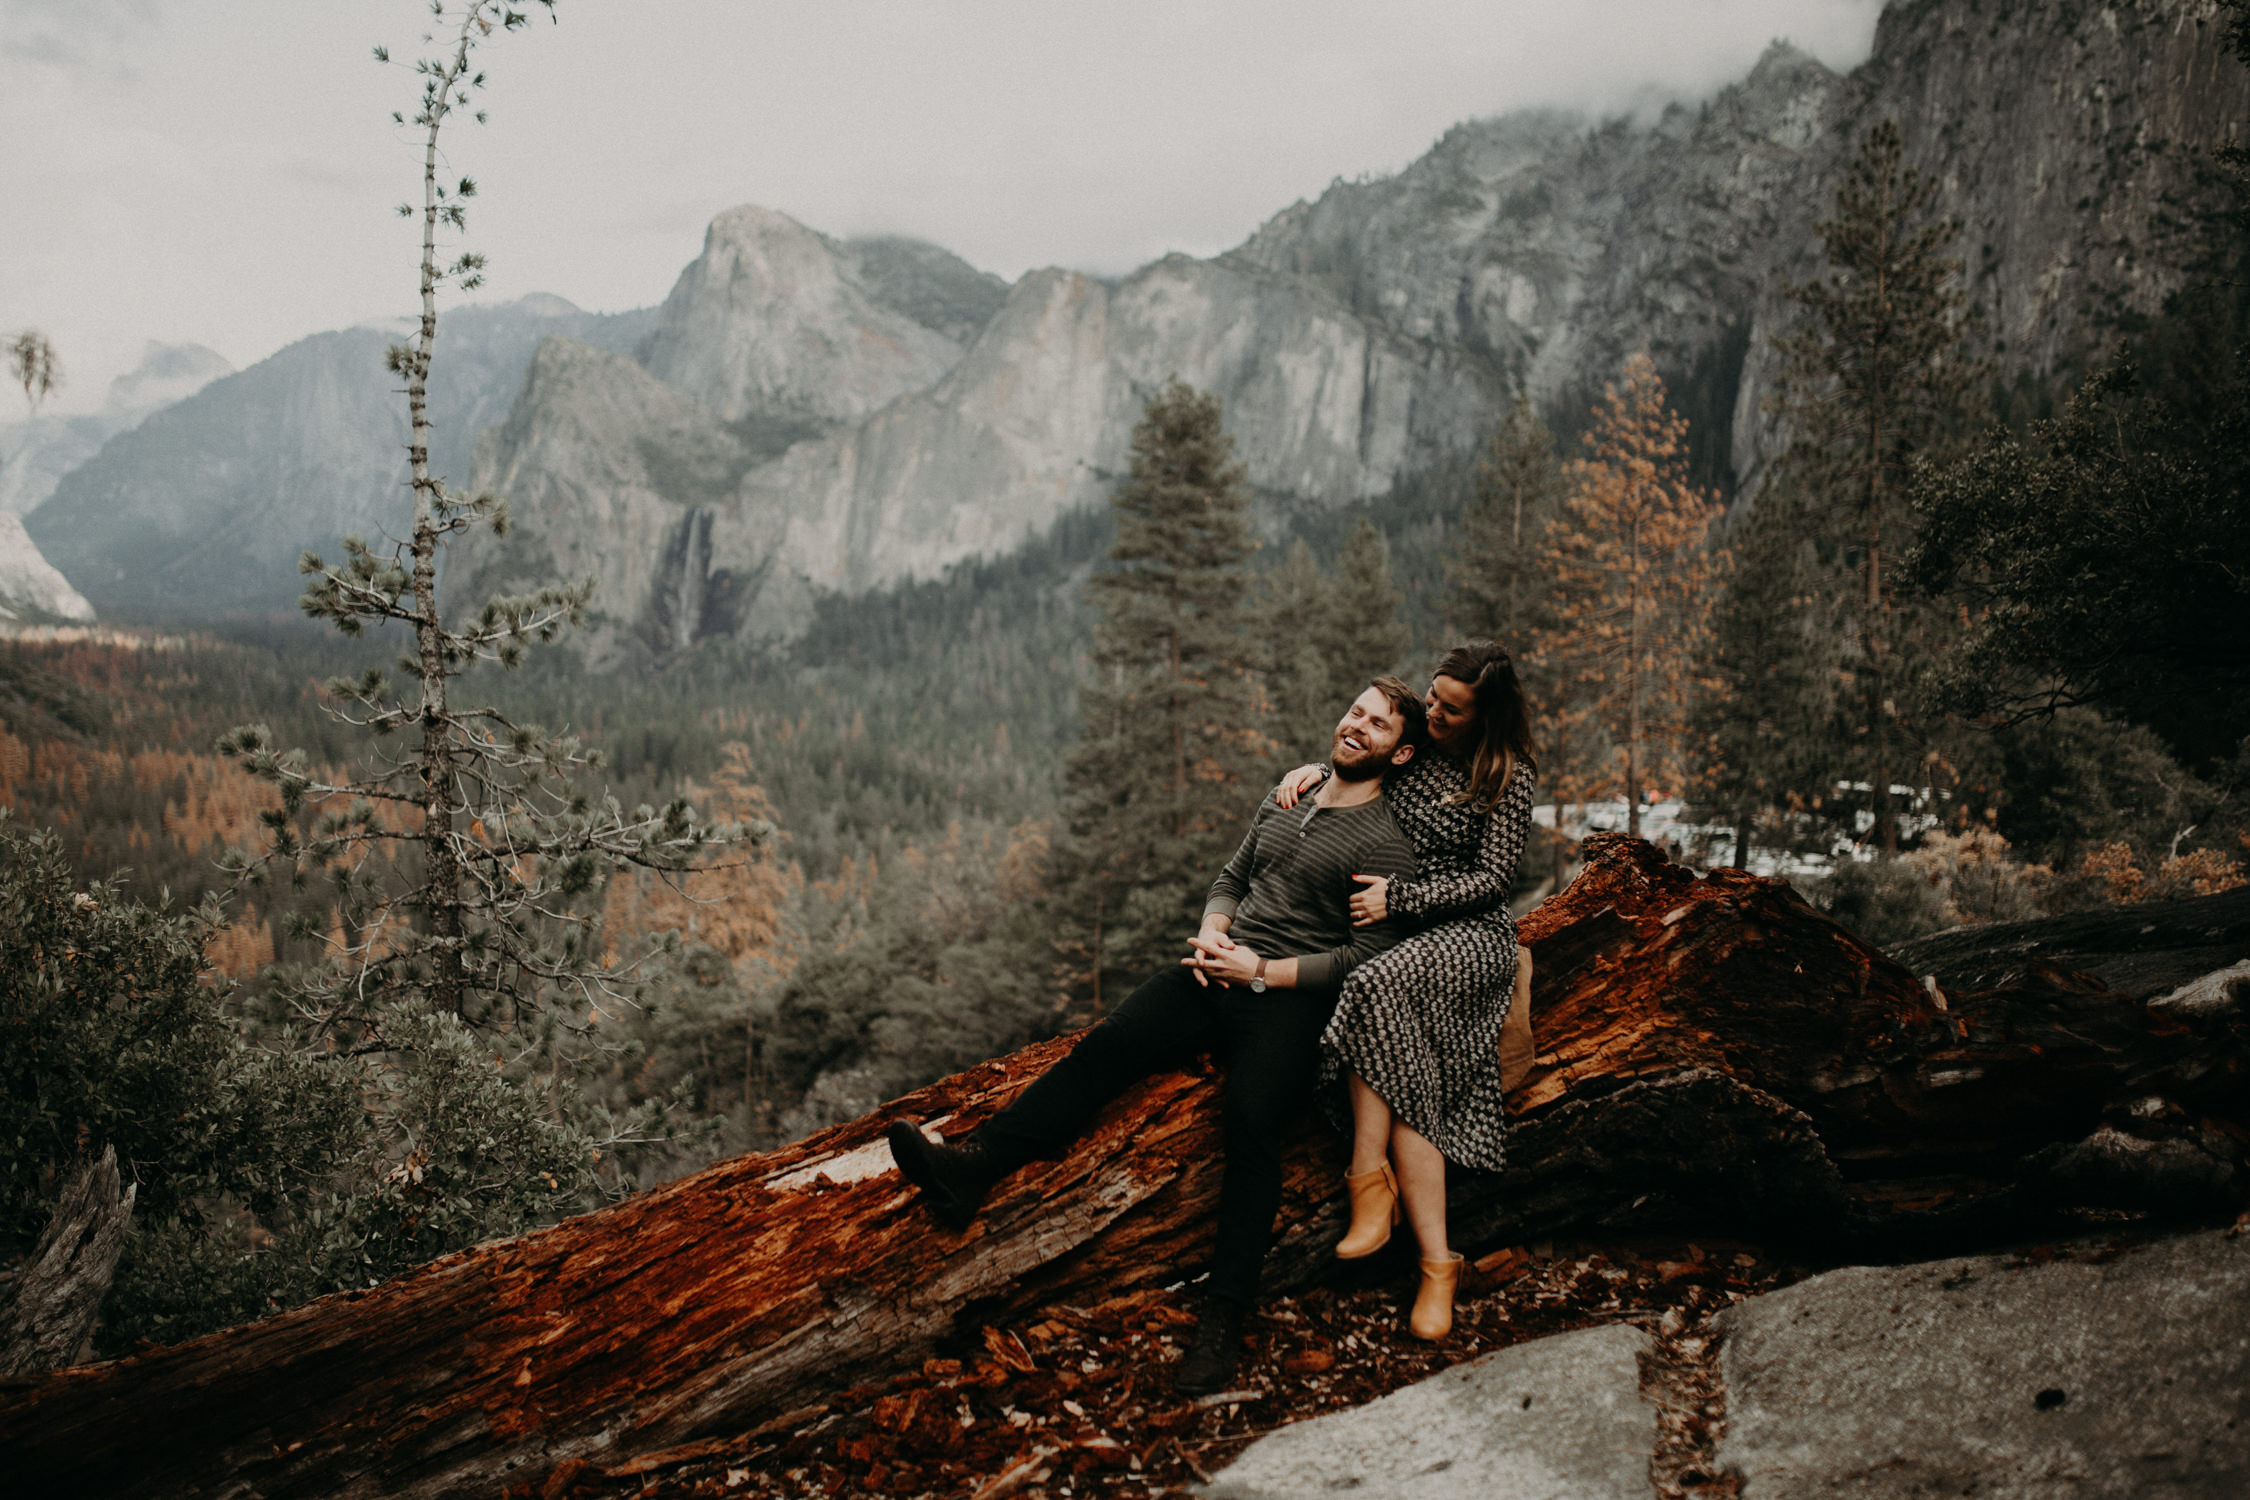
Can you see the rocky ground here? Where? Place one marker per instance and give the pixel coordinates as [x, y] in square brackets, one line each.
[2099, 1367]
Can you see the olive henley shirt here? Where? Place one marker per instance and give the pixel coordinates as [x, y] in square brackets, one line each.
[1289, 887]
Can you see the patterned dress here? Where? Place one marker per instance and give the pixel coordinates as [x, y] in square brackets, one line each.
[1421, 1023]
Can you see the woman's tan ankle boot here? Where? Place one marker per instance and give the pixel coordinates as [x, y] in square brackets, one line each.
[1374, 1213]
[1433, 1304]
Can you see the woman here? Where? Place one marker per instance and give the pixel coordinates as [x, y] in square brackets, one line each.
[1416, 1033]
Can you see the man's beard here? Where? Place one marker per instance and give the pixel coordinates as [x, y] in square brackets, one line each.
[1367, 767]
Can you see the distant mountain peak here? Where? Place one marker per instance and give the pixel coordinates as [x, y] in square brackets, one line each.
[813, 412]
[753, 221]
[1784, 59]
[35, 455]
[775, 321]
[166, 373]
[201, 511]
[546, 305]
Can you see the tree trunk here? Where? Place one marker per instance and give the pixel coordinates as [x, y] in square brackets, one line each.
[1713, 1054]
[1633, 700]
[60, 1291]
[441, 863]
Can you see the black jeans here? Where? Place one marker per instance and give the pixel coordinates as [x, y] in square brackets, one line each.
[1270, 1045]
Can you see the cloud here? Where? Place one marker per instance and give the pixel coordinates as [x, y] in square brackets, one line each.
[42, 49]
[100, 34]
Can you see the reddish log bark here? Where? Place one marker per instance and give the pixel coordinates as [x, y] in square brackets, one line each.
[1711, 1052]
[1714, 1051]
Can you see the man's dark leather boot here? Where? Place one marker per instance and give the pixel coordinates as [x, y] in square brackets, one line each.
[1210, 1361]
[953, 1177]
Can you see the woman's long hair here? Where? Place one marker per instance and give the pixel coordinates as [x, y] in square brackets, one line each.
[1503, 724]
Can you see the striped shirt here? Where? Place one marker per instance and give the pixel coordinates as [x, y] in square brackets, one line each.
[1289, 887]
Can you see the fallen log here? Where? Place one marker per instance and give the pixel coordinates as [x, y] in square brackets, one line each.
[2142, 951]
[1711, 1052]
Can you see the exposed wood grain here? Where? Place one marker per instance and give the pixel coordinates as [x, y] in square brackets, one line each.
[59, 1294]
[1710, 1051]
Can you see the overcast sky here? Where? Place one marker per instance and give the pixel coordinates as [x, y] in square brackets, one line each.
[222, 171]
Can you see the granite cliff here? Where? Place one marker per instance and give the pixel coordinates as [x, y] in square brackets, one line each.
[612, 472]
[2070, 141]
[1031, 422]
[30, 588]
[1375, 331]
[776, 322]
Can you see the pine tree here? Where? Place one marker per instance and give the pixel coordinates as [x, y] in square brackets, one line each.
[1873, 379]
[2100, 559]
[1290, 620]
[1499, 581]
[1502, 588]
[1171, 754]
[34, 365]
[1631, 602]
[466, 864]
[1364, 635]
[1760, 737]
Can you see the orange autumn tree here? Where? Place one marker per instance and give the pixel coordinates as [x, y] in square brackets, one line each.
[1632, 581]
[735, 906]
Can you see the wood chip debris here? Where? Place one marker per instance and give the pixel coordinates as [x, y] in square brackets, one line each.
[1077, 1402]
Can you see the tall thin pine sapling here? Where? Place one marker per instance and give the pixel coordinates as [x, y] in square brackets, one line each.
[462, 867]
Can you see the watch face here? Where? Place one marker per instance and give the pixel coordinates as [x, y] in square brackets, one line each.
[1257, 986]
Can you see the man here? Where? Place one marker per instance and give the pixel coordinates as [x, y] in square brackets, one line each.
[1276, 941]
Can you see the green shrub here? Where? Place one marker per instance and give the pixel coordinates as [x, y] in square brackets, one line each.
[1882, 901]
[263, 1175]
[111, 1035]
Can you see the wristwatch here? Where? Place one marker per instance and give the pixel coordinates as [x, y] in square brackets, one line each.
[1258, 980]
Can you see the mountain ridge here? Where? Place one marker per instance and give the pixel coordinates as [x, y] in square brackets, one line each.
[880, 410]
[200, 513]
[1377, 330]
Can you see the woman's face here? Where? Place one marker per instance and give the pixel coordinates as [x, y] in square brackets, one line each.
[1453, 714]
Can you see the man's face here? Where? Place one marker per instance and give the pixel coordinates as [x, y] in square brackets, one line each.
[1366, 738]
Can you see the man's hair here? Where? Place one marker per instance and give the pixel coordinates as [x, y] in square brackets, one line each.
[1414, 717]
